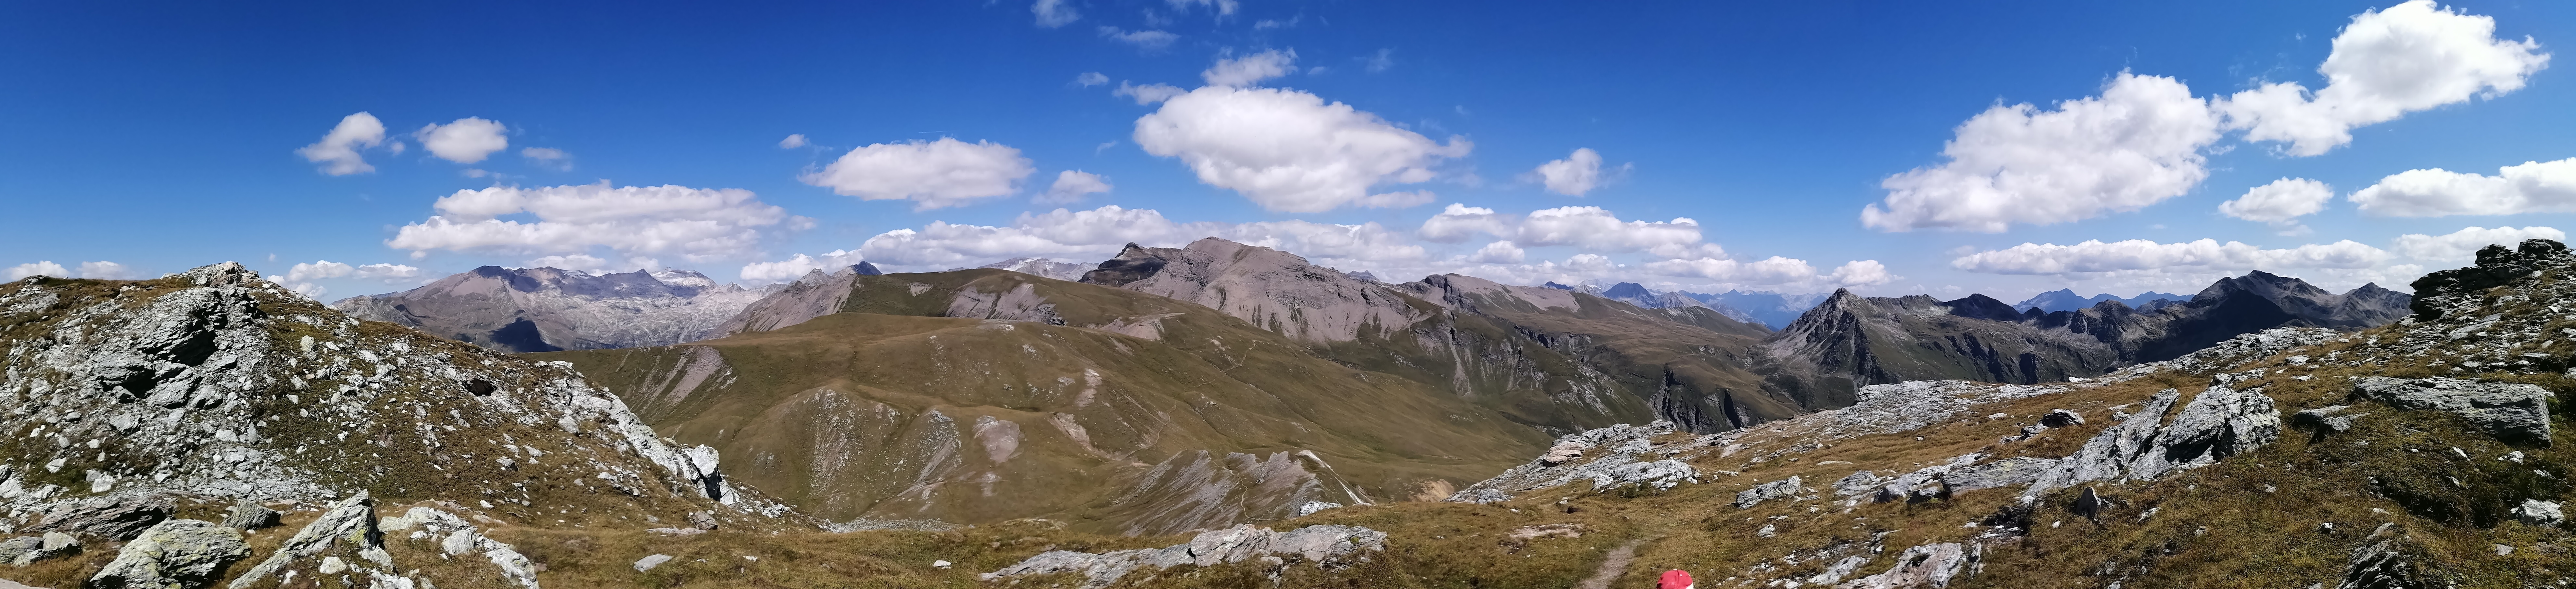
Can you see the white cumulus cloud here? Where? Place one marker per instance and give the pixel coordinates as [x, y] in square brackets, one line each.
[697, 223]
[2411, 57]
[2280, 201]
[1073, 185]
[1287, 150]
[1500, 252]
[43, 268]
[1573, 176]
[2533, 187]
[465, 141]
[792, 141]
[318, 270]
[2462, 246]
[1251, 69]
[1222, 7]
[338, 149]
[932, 174]
[1089, 79]
[2135, 145]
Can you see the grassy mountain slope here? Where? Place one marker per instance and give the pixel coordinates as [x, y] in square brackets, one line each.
[985, 395]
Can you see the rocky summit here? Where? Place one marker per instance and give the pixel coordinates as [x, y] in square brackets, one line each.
[142, 412]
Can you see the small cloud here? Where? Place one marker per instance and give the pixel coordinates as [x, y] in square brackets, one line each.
[1384, 59]
[1145, 40]
[1089, 79]
[465, 141]
[1072, 185]
[338, 150]
[1096, 150]
[549, 158]
[1149, 93]
[792, 141]
[1251, 69]
[1053, 13]
[1272, 23]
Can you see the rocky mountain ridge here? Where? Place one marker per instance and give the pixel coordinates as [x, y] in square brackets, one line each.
[546, 309]
[1851, 341]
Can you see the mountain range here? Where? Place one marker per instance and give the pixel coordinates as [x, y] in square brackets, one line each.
[1194, 397]
[2065, 299]
[1463, 375]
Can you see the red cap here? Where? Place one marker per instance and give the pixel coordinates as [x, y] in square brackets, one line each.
[1674, 579]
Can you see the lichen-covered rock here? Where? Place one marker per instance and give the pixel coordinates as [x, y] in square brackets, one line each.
[26, 550]
[2060, 418]
[175, 554]
[250, 515]
[2382, 565]
[351, 523]
[1325, 546]
[453, 536]
[2018, 470]
[1610, 457]
[1779, 489]
[1929, 565]
[2219, 423]
[2512, 412]
[114, 518]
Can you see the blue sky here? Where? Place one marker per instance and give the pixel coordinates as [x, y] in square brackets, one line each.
[158, 138]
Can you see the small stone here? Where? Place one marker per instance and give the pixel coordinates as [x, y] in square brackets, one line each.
[2061, 418]
[647, 563]
[332, 565]
[1767, 531]
[940, 564]
[2503, 550]
[702, 520]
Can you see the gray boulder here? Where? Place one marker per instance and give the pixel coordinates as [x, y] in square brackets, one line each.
[119, 518]
[176, 554]
[2219, 423]
[2383, 565]
[2060, 418]
[1779, 489]
[2509, 411]
[2018, 470]
[250, 515]
[1928, 565]
[26, 550]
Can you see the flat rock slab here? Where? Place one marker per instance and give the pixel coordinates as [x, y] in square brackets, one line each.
[2511, 412]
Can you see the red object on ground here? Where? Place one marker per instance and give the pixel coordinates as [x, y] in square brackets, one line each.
[1674, 579]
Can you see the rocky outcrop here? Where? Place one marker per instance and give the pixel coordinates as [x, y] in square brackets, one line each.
[1930, 565]
[2540, 513]
[1610, 458]
[1779, 489]
[26, 550]
[2447, 293]
[2512, 412]
[2009, 472]
[2382, 565]
[250, 515]
[547, 309]
[454, 537]
[348, 526]
[1322, 546]
[112, 518]
[217, 384]
[2219, 422]
[175, 554]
